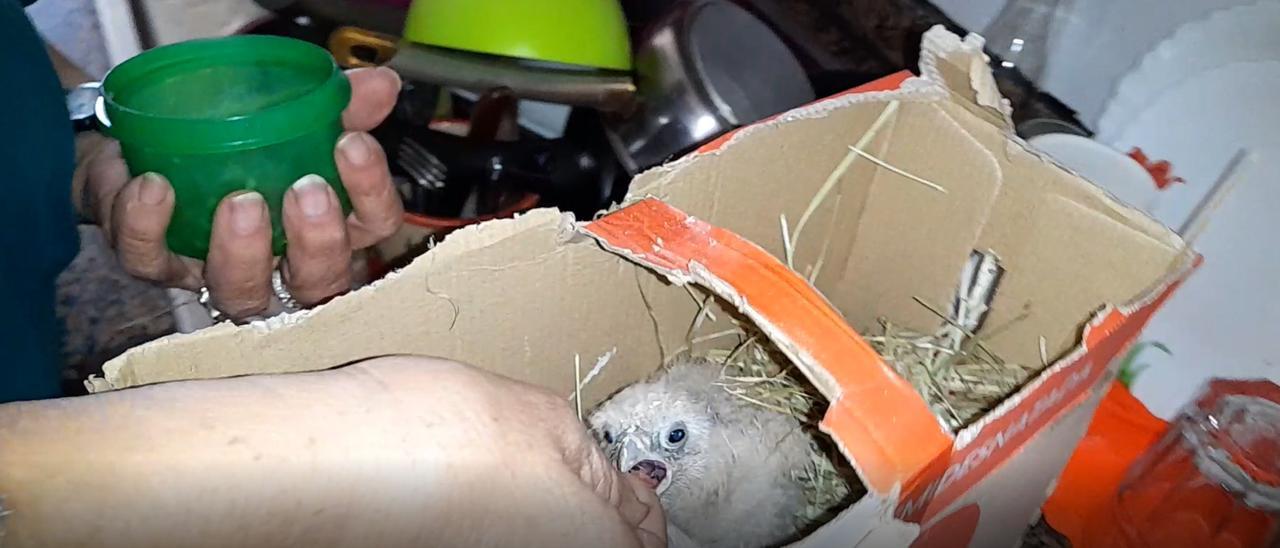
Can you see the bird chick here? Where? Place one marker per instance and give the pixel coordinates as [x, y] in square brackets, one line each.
[724, 469]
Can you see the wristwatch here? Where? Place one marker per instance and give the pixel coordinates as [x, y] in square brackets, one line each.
[83, 103]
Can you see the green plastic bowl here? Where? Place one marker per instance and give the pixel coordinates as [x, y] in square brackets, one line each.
[587, 33]
[222, 115]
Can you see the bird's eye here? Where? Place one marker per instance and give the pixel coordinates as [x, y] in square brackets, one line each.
[675, 436]
[608, 436]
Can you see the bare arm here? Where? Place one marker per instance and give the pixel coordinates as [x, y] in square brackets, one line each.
[88, 143]
[390, 452]
[68, 73]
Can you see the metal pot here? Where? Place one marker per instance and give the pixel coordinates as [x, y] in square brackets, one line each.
[704, 68]
[530, 48]
[607, 90]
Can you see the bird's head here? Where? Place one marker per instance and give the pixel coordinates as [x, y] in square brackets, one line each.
[662, 430]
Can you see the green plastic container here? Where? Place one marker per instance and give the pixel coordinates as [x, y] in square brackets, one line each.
[222, 115]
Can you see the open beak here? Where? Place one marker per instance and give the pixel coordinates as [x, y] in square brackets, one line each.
[637, 459]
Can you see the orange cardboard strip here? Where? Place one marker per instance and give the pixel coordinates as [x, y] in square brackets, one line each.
[886, 429]
[1053, 393]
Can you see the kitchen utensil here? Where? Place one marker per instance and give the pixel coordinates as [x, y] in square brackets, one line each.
[582, 33]
[427, 171]
[575, 53]
[216, 116]
[419, 104]
[1241, 34]
[493, 118]
[540, 81]
[450, 167]
[357, 47]
[1044, 126]
[706, 67]
[425, 221]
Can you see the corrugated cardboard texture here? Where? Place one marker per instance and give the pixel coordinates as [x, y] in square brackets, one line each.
[522, 297]
[510, 296]
[514, 297]
[1067, 247]
[1015, 494]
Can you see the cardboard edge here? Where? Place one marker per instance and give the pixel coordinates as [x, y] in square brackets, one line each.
[979, 91]
[938, 46]
[1139, 219]
[645, 232]
[1100, 325]
[118, 372]
[931, 490]
[901, 86]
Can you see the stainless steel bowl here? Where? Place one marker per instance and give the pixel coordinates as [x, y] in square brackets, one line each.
[706, 67]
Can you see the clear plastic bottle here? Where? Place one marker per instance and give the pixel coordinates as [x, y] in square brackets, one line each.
[1019, 36]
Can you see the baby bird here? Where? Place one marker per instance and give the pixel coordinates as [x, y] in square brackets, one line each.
[724, 469]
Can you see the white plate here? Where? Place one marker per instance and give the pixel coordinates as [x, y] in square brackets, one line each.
[1114, 171]
[1241, 34]
[1225, 321]
[1198, 125]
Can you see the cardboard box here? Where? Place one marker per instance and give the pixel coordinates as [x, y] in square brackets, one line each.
[523, 297]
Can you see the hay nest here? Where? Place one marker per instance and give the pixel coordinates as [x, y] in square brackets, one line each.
[959, 382]
[959, 385]
[958, 376]
[755, 372]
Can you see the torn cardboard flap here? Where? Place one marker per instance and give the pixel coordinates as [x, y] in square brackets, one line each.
[492, 295]
[962, 67]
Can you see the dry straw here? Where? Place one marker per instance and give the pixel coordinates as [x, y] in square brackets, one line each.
[952, 369]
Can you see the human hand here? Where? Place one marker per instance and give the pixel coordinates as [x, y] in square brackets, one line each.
[392, 452]
[135, 214]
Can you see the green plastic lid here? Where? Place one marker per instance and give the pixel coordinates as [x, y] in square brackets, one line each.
[223, 94]
[588, 33]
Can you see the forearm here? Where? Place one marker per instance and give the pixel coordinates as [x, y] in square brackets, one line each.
[389, 452]
[240, 462]
[68, 73]
[87, 143]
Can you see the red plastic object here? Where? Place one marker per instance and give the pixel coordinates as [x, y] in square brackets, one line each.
[1121, 431]
[1212, 479]
[1161, 172]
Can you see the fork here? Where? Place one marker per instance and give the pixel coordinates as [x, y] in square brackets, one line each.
[427, 171]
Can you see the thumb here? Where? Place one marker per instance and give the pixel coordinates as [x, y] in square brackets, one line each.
[639, 505]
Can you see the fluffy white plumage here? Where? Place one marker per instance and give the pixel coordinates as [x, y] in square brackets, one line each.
[725, 470]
